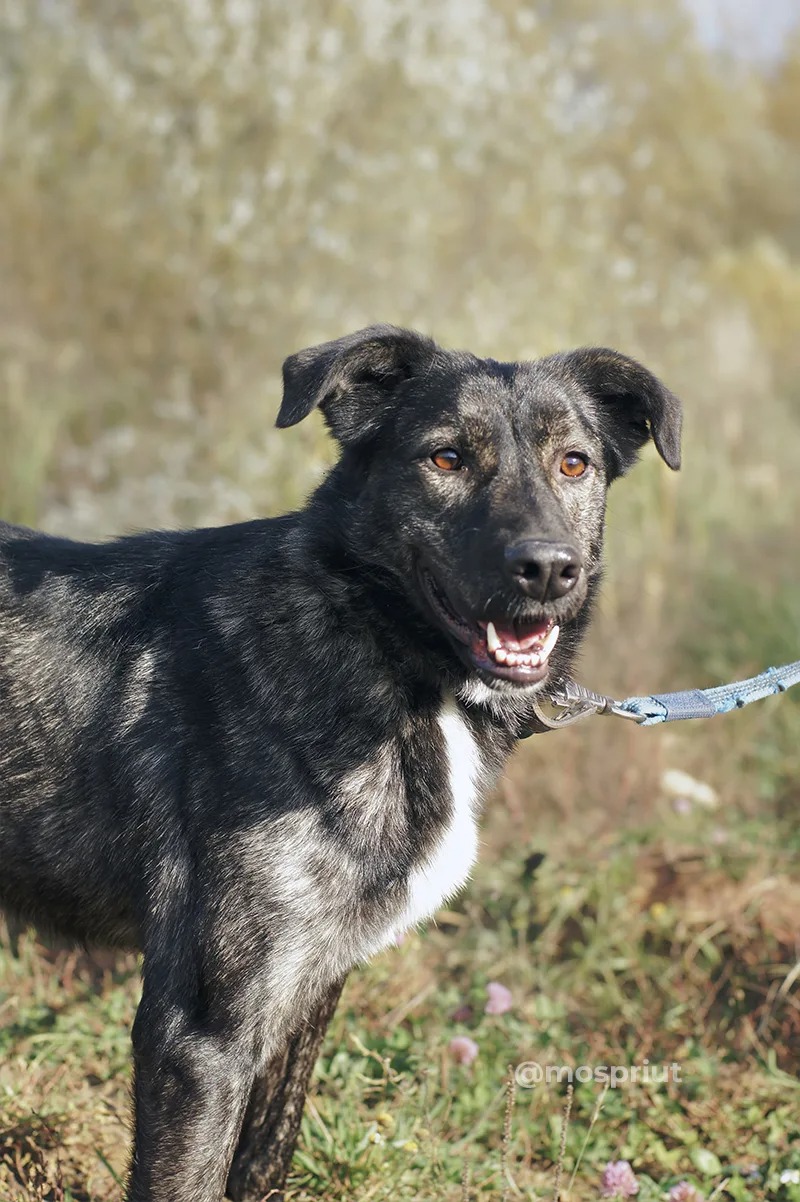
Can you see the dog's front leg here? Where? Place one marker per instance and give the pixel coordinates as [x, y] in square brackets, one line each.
[193, 1071]
[272, 1120]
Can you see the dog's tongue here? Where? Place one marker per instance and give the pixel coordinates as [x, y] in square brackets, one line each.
[519, 636]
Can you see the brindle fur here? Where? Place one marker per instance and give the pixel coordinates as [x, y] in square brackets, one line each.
[226, 747]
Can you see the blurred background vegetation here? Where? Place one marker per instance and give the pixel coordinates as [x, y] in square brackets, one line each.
[192, 189]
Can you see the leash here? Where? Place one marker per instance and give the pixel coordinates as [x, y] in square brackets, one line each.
[572, 701]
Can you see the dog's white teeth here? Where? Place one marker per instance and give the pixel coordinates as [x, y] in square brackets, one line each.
[549, 643]
[532, 657]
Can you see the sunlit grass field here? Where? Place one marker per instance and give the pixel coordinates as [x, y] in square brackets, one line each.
[668, 937]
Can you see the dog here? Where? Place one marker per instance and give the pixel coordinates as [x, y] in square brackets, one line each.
[258, 753]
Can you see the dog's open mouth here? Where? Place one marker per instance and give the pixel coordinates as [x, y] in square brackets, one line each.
[512, 650]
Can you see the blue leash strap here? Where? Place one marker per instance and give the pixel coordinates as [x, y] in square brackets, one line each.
[572, 701]
[705, 703]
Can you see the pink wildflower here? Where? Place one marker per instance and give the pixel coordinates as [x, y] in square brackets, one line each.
[684, 1191]
[463, 1049]
[619, 1180]
[499, 997]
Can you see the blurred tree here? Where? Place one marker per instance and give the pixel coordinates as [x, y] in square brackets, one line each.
[203, 184]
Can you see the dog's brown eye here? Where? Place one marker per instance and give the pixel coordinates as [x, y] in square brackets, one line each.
[448, 460]
[574, 464]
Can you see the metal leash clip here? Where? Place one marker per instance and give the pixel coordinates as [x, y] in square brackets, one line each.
[573, 702]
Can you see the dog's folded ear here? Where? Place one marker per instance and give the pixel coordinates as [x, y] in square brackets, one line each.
[632, 405]
[352, 379]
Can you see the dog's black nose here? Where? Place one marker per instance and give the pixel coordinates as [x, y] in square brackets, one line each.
[543, 570]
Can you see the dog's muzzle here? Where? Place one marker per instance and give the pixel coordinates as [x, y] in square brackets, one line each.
[516, 650]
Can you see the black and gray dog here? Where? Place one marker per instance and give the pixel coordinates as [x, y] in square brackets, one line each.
[259, 752]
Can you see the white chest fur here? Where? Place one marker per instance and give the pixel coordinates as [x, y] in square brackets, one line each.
[449, 864]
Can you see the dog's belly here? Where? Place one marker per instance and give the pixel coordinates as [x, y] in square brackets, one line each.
[447, 867]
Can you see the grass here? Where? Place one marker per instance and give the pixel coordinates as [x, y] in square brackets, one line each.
[670, 939]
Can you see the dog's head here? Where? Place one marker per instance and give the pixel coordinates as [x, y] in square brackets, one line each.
[480, 486]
